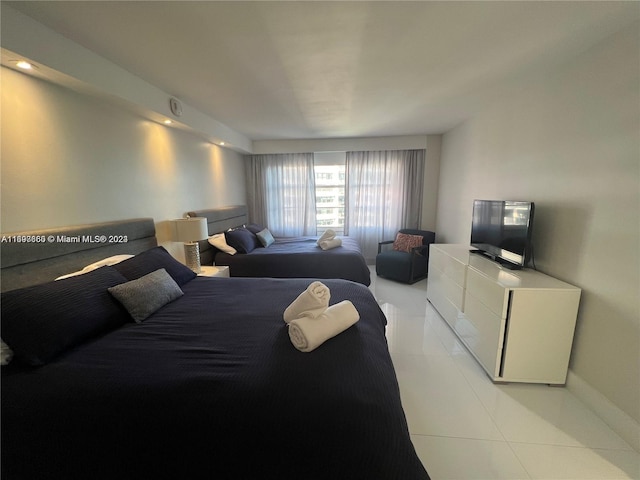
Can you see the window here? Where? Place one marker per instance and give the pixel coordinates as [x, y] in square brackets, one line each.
[281, 193]
[366, 195]
[385, 194]
[329, 169]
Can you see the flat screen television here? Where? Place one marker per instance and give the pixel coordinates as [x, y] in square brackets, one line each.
[501, 229]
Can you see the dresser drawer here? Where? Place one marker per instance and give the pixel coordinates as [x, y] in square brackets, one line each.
[491, 294]
[453, 291]
[446, 287]
[442, 304]
[450, 266]
[436, 259]
[485, 334]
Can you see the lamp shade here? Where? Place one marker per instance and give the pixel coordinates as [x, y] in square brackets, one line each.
[190, 229]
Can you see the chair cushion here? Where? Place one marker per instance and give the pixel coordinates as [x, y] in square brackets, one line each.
[428, 236]
[394, 264]
[404, 242]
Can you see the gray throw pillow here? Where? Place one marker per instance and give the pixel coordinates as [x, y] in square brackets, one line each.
[145, 295]
[265, 237]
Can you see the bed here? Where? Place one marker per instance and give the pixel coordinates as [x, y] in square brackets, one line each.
[286, 258]
[207, 386]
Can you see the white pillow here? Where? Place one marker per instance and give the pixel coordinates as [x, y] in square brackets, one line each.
[219, 241]
[5, 353]
[93, 266]
[69, 275]
[106, 261]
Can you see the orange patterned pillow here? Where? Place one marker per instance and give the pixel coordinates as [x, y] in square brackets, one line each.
[404, 242]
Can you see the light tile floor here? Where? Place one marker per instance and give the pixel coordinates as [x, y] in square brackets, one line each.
[466, 427]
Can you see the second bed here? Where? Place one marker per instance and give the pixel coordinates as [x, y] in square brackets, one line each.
[287, 257]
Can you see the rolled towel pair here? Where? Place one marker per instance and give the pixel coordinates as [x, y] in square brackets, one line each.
[310, 303]
[308, 333]
[329, 244]
[329, 234]
[328, 240]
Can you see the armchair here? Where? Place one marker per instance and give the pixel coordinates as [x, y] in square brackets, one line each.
[409, 264]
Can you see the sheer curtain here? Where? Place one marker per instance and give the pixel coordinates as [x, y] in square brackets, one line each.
[281, 193]
[384, 194]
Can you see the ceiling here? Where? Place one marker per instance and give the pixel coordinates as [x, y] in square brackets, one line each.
[305, 70]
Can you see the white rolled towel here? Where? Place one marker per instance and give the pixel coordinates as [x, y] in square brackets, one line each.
[310, 303]
[329, 234]
[329, 244]
[307, 333]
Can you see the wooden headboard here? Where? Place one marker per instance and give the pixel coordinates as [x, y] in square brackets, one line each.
[219, 220]
[38, 256]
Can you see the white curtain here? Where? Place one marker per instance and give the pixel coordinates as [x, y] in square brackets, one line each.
[281, 193]
[384, 194]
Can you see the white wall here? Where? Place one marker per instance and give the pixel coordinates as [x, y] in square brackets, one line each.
[70, 158]
[408, 142]
[569, 140]
[431, 179]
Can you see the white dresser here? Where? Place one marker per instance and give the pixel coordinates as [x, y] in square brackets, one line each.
[518, 324]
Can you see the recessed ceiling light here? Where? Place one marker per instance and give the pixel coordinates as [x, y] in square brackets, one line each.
[222, 144]
[23, 64]
[168, 122]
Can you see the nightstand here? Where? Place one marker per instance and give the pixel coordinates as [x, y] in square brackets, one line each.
[214, 271]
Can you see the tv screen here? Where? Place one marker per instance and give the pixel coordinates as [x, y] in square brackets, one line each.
[501, 229]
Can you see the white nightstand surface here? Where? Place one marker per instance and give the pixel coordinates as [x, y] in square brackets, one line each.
[214, 271]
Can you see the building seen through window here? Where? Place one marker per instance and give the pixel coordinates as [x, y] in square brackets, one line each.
[330, 195]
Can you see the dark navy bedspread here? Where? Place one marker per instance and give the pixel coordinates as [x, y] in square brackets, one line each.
[211, 387]
[300, 258]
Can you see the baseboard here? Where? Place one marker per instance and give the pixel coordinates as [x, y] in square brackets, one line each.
[620, 422]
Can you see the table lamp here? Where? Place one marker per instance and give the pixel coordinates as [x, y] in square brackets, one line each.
[189, 230]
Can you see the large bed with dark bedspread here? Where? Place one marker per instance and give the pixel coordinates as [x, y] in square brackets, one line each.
[208, 386]
[300, 258]
[287, 257]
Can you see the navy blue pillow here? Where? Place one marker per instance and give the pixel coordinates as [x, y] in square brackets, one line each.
[254, 228]
[242, 240]
[152, 260]
[42, 321]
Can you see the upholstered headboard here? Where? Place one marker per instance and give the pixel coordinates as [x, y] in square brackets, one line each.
[38, 256]
[219, 220]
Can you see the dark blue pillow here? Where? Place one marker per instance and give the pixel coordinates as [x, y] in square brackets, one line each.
[152, 260]
[242, 240]
[254, 228]
[42, 321]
